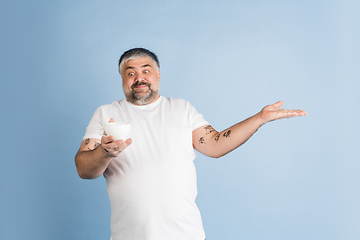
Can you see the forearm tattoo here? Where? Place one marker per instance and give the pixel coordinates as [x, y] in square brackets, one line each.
[87, 141]
[217, 137]
[227, 134]
[209, 129]
[96, 144]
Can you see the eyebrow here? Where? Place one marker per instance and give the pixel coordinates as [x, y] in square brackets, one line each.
[143, 66]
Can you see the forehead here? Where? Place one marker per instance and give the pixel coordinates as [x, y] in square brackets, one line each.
[139, 63]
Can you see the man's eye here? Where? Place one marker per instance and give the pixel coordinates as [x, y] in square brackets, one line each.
[131, 74]
[146, 71]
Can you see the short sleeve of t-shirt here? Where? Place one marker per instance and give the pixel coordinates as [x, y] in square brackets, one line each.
[196, 118]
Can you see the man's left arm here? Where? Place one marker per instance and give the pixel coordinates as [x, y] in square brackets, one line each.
[216, 144]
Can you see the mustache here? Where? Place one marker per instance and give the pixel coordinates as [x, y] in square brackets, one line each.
[139, 84]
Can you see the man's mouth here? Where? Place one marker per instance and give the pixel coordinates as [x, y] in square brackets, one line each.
[140, 85]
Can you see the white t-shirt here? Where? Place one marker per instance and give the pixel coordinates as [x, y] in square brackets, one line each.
[152, 184]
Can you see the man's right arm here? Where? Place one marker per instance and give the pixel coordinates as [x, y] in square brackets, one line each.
[95, 155]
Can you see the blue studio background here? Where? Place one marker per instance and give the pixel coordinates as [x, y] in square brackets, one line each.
[295, 179]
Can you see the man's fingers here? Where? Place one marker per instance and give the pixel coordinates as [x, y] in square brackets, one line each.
[128, 141]
[302, 112]
[121, 144]
[107, 139]
[117, 146]
[278, 104]
[294, 113]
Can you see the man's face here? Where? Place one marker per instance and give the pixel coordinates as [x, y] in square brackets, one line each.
[141, 81]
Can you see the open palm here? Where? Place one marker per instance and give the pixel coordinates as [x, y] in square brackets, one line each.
[273, 112]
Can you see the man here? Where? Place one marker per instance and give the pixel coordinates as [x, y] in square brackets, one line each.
[151, 177]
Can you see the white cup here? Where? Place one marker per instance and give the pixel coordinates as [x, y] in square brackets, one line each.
[119, 130]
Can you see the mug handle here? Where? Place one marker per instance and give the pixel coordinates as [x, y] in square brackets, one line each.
[101, 132]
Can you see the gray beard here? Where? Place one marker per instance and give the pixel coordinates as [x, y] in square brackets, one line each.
[135, 98]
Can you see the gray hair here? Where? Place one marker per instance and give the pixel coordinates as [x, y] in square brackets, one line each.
[136, 53]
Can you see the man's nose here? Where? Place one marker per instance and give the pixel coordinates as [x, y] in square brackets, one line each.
[139, 77]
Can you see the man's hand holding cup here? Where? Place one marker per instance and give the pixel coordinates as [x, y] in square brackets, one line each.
[112, 140]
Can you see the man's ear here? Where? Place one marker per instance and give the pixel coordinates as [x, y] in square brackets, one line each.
[159, 75]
